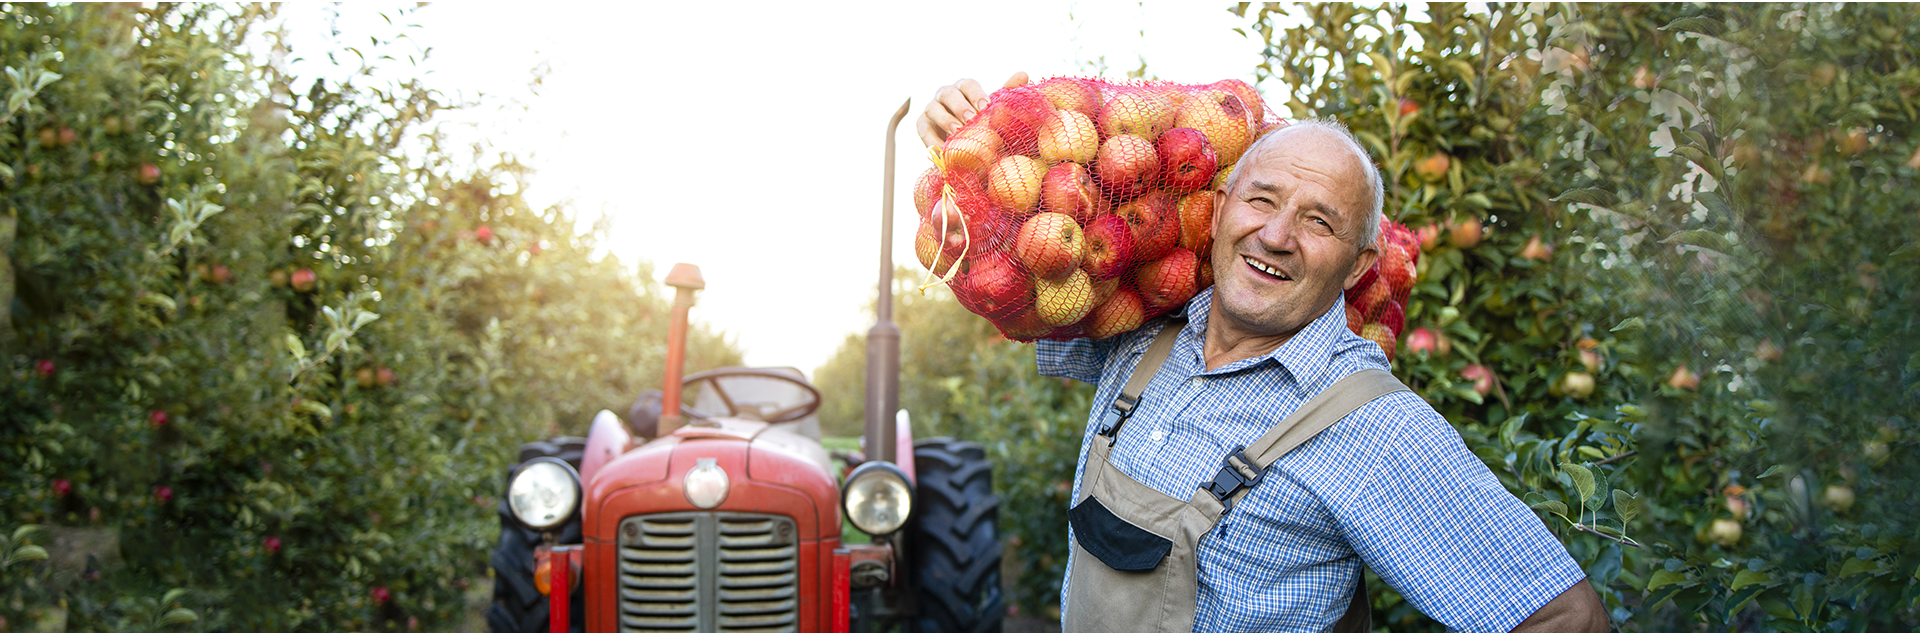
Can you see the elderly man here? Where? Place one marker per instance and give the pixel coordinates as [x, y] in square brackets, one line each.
[1310, 459]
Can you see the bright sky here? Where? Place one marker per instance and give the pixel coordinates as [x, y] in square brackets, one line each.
[747, 138]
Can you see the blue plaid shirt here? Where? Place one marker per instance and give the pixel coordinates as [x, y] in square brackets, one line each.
[1391, 485]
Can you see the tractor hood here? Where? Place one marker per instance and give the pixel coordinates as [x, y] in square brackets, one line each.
[751, 452]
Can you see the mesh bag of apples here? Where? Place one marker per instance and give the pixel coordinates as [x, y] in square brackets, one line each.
[1084, 208]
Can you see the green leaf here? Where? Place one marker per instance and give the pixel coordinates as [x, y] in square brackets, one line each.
[6, 171]
[1556, 507]
[21, 532]
[178, 617]
[1749, 578]
[1626, 506]
[173, 594]
[1700, 238]
[1664, 577]
[363, 318]
[1582, 478]
[1629, 325]
[1855, 566]
[293, 344]
[1589, 195]
[1591, 452]
[46, 77]
[29, 553]
[158, 299]
[1512, 427]
[314, 407]
[1770, 472]
[1695, 24]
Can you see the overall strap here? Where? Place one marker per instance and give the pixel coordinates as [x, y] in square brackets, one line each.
[1151, 361]
[1247, 466]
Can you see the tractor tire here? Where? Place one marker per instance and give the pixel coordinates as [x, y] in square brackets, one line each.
[518, 606]
[954, 540]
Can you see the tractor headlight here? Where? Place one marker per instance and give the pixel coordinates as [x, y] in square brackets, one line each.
[706, 484]
[544, 494]
[877, 498]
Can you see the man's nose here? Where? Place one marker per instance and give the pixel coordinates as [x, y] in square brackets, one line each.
[1280, 233]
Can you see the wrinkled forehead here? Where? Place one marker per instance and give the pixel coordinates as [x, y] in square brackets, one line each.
[1318, 152]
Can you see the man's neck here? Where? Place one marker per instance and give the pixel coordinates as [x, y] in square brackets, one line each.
[1228, 340]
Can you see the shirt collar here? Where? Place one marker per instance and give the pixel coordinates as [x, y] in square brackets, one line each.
[1306, 356]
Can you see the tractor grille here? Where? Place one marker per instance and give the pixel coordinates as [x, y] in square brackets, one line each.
[709, 572]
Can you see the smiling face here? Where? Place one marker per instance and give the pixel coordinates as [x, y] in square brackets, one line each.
[1287, 236]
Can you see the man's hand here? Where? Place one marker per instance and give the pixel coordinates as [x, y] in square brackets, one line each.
[1576, 610]
[953, 105]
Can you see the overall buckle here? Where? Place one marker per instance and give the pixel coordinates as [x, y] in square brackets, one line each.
[1230, 480]
[1116, 416]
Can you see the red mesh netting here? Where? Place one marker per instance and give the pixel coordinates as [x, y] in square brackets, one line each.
[1083, 207]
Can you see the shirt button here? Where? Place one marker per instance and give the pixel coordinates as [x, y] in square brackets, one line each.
[1159, 434]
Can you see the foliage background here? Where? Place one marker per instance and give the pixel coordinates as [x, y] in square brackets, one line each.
[294, 457]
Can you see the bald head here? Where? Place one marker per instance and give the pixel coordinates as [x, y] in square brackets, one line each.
[1375, 190]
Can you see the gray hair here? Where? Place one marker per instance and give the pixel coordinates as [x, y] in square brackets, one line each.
[1370, 228]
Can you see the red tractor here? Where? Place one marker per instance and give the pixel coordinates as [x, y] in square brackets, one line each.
[729, 518]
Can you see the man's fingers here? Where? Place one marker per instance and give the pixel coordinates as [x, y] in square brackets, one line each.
[928, 135]
[975, 95]
[1019, 78]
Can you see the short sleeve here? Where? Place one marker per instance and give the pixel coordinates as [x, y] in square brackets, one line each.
[1439, 528]
[1081, 359]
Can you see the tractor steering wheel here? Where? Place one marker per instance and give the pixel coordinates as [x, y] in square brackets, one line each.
[716, 381]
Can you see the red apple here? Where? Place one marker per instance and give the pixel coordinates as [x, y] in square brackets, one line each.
[1109, 247]
[1466, 233]
[1168, 282]
[1429, 236]
[1249, 98]
[1050, 245]
[1155, 227]
[1068, 135]
[148, 174]
[995, 286]
[1481, 376]
[383, 376]
[1535, 250]
[1141, 112]
[1354, 319]
[1380, 335]
[1187, 160]
[1024, 325]
[1433, 167]
[380, 595]
[1203, 274]
[484, 235]
[1394, 316]
[1222, 117]
[1738, 507]
[163, 494]
[1683, 379]
[1119, 314]
[61, 487]
[221, 274]
[1015, 114]
[1103, 290]
[1195, 212]
[43, 367]
[67, 135]
[1127, 165]
[1423, 341]
[1066, 93]
[971, 149]
[1068, 188]
[303, 279]
[1590, 360]
[1408, 106]
[1371, 297]
[1013, 183]
[157, 418]
[1064, 300]
[926, 191]
[272, 545]
[1396, 269]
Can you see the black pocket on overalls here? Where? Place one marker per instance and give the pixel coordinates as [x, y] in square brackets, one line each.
[1118, 543]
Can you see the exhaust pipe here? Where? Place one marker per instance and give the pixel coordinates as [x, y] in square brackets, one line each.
[883, 340]
[685, 279]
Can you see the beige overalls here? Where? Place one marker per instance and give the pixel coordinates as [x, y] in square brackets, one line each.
[1134, 566]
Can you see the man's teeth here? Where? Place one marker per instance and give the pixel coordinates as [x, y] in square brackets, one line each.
[1269, 270]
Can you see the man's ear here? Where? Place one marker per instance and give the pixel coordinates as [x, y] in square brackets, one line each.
[1219, 203]
[1361, 265]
